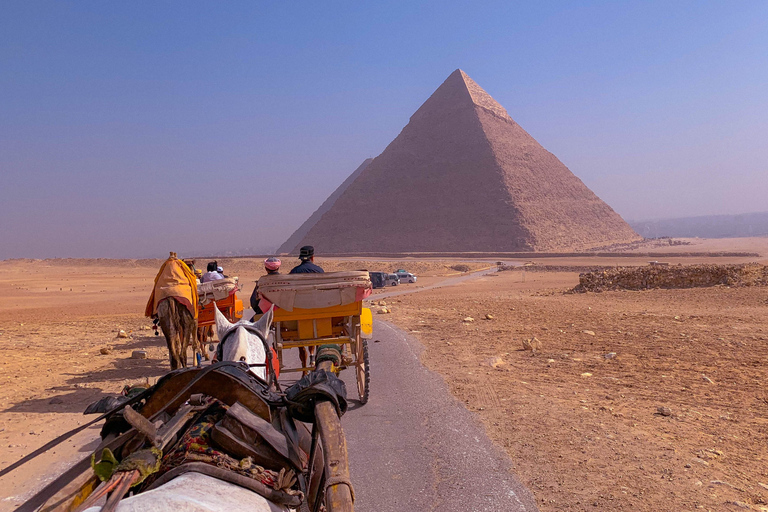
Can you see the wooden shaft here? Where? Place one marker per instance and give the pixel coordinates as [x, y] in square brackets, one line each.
[338, 497]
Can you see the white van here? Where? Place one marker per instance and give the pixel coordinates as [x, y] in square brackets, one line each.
[391, 280]
[405, 277]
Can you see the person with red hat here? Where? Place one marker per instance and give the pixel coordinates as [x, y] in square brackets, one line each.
[272, 266]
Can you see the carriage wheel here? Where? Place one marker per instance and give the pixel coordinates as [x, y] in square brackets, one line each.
[363, 369]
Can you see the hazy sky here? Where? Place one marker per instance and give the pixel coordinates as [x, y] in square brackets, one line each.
[134, 128]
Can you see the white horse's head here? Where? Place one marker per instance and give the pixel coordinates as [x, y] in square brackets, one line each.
[242, 345]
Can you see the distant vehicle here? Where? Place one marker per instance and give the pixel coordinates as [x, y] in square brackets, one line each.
[405, 277]
[392, 280]
[378, 279]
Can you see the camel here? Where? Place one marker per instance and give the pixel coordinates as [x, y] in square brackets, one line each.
[179, 328]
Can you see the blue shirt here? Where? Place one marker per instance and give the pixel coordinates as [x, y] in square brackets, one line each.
[307, 267]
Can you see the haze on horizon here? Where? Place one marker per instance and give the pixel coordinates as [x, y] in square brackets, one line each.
[134, 129]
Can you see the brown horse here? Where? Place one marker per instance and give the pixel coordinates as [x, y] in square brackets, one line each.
[180, 330]
[204, 336]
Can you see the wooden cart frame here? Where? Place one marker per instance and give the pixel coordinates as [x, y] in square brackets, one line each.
[348, 326]
[231, 307]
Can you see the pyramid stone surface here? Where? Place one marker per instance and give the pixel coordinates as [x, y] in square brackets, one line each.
[295, 240]
[463, 176]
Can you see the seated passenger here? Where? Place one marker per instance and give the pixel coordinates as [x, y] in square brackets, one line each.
[272, 266]
[211, 274]
[307, 266]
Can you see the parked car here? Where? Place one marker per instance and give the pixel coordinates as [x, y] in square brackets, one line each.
[392, 280]
[405, 277]
[378, 279]
[382, 279]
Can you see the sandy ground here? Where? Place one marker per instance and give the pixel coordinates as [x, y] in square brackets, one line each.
[579, 442]
[580, 417]
[56, 315]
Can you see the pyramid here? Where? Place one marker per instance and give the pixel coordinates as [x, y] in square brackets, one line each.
[462, 176]
[298, 236]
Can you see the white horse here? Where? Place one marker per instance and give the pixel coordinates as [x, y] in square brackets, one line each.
[195, 492]
[242, 344]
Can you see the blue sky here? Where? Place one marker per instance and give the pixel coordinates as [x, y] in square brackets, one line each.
[134, 128]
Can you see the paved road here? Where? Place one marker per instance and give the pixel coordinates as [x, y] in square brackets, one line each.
[404, 289]
[413, 447]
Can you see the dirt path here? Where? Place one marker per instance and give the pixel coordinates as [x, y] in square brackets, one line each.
[579, 419]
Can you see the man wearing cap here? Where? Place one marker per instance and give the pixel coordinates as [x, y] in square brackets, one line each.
[307, 266]
[272, 266]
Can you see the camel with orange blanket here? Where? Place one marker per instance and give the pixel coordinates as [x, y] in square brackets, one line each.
[174, 302]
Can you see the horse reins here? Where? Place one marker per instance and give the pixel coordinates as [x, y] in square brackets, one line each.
[271, 373]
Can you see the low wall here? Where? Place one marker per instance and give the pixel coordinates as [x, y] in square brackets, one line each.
[674, 276]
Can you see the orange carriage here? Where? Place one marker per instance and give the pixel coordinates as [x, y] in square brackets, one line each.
[224, 293]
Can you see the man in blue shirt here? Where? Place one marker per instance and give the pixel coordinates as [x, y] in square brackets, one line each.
[307, 266]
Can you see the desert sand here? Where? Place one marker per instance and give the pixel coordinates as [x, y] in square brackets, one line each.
[649, 400]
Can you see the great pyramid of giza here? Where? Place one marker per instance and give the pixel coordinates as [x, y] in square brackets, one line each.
[462, 176]
[297, 237]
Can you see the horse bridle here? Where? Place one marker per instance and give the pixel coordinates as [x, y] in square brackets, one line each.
[271, 374]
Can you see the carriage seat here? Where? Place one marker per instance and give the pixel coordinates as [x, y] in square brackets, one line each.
[314, 291]
[217, 290]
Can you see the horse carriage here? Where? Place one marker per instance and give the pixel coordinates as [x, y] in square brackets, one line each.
[221, 294]
[313, 310]
[226, 436]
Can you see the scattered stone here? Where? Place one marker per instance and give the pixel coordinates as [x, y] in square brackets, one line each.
[105, 351]
[707, 379]
[122, 334]
[382, 303]
[764, 486]
[468, 319]
[591, 333]
[586, 374]
[664, 411]
[550, 361]
[493, 362]
[678, 276]
[610, 355]
[55, 400]
[384, 311]
[139, 354]
[700, 461]
[741, 504]
[532, 344]
[489, 317]
[144, 328]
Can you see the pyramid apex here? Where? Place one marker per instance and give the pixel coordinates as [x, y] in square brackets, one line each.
[457, 90]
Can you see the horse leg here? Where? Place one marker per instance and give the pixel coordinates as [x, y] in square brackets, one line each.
[203, 340]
